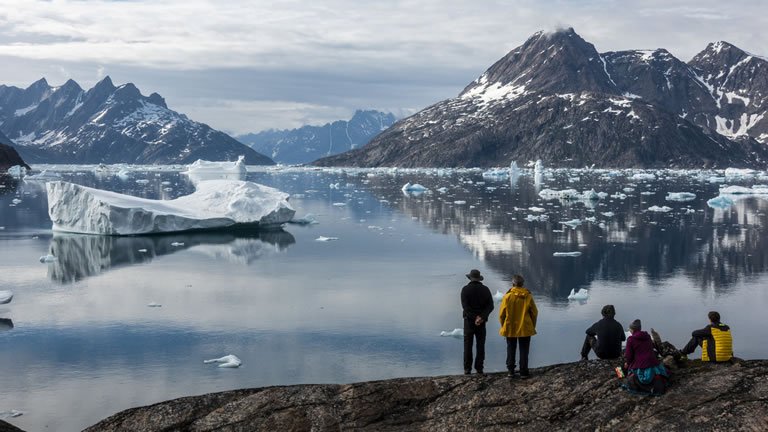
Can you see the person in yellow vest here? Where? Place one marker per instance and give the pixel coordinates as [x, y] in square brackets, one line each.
[715, 341]
[517, 316]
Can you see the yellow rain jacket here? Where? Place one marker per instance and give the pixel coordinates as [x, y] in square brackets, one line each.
[518, 313]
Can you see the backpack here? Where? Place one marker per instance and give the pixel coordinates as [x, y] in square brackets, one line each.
[657, 387]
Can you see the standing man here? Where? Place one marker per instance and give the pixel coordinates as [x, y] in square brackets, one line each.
[477, 303]
[604, 337]
[715, 341]
[518, 315]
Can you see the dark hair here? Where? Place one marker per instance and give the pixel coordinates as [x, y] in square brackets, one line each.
[608, 311]
[636, 325]
[517, 280]
[714, 317]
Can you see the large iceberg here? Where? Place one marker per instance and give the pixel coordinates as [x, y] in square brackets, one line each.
[215, 204]
[202, 170]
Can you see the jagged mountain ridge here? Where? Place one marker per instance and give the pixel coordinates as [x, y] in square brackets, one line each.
[108, 124]
[308, 143]
[557, 99]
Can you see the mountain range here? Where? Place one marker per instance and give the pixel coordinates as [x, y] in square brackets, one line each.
[557, 99]
[307, 143]
[108, 124]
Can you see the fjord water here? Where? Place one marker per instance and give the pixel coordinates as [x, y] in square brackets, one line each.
[78, 342]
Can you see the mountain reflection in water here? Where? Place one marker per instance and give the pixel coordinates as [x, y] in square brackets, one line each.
[80, 256]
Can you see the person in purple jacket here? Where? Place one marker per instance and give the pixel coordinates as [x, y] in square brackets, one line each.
[645, 372]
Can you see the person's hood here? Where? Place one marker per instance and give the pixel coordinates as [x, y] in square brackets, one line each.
[519, 292]
[641, 336]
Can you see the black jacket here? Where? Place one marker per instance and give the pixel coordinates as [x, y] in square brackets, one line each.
[609, 334]
[476, 299]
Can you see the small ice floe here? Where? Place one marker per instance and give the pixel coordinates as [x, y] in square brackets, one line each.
[10, 414]
[647, 193]
[565, 194]
[123, 174]
[228, 361]
[689, 211]
[177, 244]
[47, 258]
[408, 187]
[644, 176]
[607, 214]
[582, 294]
[17, 171]
[741, 190]
[442, 190]
[16, 201]
[6, 296]
[325, 239]
[715, 179]
[459, 202]
[498, 296]
[153, 304]
[142, 250]
[628, 189]
[496, 173]
[619, 195]
[573, 223]
[663, 209]
[680, 196]
[457, 333]
[339, 204]
[739, 173]
[308, 219]
[142, 181]
[720, 202]
[539, 218]
[537, 209]
[567, 254]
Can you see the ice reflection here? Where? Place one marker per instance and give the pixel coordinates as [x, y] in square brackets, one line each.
[80, 256]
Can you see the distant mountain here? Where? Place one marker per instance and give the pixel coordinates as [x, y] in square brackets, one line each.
[307, 143]
[108, 124]
[557, 99]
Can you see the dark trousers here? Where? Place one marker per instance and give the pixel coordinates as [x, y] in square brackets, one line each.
[525, 344]
[473, 332]
[692, 344]
[590, 343]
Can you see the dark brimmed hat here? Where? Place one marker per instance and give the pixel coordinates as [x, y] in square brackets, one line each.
[474, 274]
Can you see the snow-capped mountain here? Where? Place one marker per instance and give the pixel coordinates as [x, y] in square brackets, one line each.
[108, 124]
[557, 99]
[307, 143]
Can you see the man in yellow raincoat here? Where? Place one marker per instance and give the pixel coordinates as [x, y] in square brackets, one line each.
[517, 316]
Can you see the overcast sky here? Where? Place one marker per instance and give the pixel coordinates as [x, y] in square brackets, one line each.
[250, 65]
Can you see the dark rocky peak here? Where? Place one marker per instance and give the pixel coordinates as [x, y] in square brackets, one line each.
[70, 86]
[720, 54]
[557, 62]
[35, 93]
[104, 85]
[156, 99]
[378, 117]
[39, 85]
[127, 92]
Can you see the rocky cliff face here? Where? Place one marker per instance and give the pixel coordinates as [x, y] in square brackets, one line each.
[577, 396]
[308, 143]
[108, 124]
[557, 99]
[8, 156]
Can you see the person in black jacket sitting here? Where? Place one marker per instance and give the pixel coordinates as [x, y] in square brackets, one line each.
[477, 304]
[604, 337]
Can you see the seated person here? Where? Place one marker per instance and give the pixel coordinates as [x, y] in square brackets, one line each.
[645, 372]
[715, 341]
[604, 337]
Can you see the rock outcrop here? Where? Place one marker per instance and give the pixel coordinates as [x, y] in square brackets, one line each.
[9, 157]
[7, 427]
[575, 396]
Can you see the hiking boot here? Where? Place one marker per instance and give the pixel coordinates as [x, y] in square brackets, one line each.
[525, 375]
[467, 371]
[480, 372]
[585, 359]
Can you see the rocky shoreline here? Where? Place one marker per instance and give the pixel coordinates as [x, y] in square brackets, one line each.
[582, 396]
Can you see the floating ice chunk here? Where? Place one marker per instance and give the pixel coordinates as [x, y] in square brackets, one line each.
[716, 179]
[6, 296]
[573, 223]
[644, 176]
[202, 170]
[538, 168]
[47, 258]
[325, 239]
[10, 414]
[720, 202]
[590, 219]
[689, 211]
[123, 174]
[443, 190]
[537, 209]
[177, 244]
[582, 294]
[539, 218]
[663, 209]
[628, 189]
[308, 219]
[142, 181]
[607, 214]
[619, 195]
[680, 196]
[339, 204]
[514, 170]
[154, 305]
[567, 254]
[408, 187]
[16, 201]
[741, 190]
[457, 333]
[591, 195]
[739, 172]
[459, 202]
[498, 296]
[648, 193]
[17, 171]
[496, 173]
[215, 204]
[228, 361]
[549, 194]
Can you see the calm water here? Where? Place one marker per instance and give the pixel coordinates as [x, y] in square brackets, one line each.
[78, 342]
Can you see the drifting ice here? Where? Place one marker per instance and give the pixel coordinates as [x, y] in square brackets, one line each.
[582, 294]
[47, 258]
[454, 333]
[325, 239]
[408, 187]
[720, 202]
[215, 204]
[498, 296]
[202, 170]
[228, 361]
[567, 254]
[6, 297]
[663, 209]
[680, 196]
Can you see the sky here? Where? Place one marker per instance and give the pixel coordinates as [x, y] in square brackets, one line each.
[248, 65]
